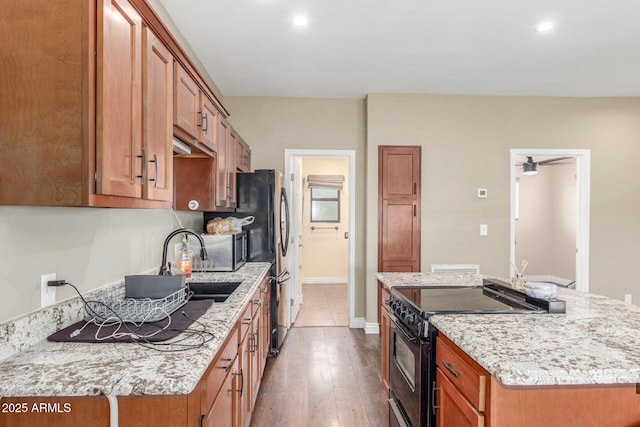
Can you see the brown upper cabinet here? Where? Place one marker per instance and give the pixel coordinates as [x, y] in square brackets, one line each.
[226, 190]
[157, 114]
[399, 208]
[87, 122]
[243, 155]
[195, 116]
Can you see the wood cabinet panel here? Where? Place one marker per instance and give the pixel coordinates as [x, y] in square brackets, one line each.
[383, 318]
[157, 112]
[464, 373]
[222, 366]
[399, 240]
[209, 120]
[186, 113]
[400, 171]
[119, 105]
[195, 180]
[78, 142]
[453, 409]
[223, 140]
[399, 208]
[222, 411]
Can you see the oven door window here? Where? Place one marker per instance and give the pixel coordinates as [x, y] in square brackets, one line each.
[405, 360]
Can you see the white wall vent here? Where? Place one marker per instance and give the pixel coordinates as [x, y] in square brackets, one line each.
[455, 268]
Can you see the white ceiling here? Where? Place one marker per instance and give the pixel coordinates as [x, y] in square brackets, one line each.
[354, 47]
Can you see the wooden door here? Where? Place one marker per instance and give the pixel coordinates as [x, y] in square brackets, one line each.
[118, 105]
[224, 135]
[399, 208]
[157, 112]
[186, 108]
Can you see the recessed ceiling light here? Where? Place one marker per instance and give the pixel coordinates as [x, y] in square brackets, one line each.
[300, 21]
[544, 26]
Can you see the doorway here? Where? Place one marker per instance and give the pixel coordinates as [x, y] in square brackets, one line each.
[550, 214]
[323, 230]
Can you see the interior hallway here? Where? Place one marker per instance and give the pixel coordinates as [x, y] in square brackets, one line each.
[323, 377]
[323, 305]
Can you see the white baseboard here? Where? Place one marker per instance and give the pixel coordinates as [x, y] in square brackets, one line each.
[372, 328]
[357, 323]
[325, 280]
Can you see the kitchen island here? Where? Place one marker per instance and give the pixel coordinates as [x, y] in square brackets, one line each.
[56, 373]
[577, 368]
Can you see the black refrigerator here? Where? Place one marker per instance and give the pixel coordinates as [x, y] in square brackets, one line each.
[261, 194]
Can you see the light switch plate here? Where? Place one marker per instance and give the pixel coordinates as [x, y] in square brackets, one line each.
[484, 229]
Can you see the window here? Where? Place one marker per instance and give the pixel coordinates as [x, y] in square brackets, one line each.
[325, 204]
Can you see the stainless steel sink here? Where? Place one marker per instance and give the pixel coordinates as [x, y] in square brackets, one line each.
[217, 291]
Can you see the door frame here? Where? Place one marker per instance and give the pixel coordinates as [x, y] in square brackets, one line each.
[583, 191]
[289, 155]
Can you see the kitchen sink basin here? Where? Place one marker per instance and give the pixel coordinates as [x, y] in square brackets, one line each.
[217, 291]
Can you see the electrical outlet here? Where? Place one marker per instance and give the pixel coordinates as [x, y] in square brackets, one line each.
[47, 293]
[628, 298]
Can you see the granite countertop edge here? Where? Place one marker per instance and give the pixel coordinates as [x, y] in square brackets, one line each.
[89, 369]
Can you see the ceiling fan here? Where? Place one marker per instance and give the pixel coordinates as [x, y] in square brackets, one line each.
[531, 168]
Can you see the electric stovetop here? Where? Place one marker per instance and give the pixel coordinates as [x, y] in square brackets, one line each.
[462, 299]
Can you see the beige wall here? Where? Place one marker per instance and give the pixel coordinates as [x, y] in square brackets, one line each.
[272, 124]
[546, 228]
[466, 142]
[325, 252]
[88, 247]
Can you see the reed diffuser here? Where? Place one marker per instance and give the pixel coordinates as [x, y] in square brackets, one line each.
[519, 281]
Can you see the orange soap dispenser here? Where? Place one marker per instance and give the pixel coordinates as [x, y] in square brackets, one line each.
[184, 259]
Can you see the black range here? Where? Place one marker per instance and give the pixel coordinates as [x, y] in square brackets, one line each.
[412, 339]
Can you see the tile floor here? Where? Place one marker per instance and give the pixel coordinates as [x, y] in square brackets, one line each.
[323, 305]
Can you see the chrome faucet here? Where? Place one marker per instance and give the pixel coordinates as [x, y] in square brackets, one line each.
[203, 251]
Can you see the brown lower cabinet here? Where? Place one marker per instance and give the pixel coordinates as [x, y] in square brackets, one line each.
[224, 397]
[467, 395]
[383, 295]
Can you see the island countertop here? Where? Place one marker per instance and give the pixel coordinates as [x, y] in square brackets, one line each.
[87, 369]
[597, 341]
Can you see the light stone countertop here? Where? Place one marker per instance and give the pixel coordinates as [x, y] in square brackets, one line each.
[86, 369]
[597, 341]
[389, 280]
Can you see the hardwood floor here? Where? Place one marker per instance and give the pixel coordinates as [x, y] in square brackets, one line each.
[323, 305]
[323, 377]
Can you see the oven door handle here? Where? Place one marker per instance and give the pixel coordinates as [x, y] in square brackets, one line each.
[397, 414]
[408, 335]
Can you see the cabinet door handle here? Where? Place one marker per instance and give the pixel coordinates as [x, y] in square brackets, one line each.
[205, 118]
[155, 170]
[415, 188]
[200, 116]
[143, 156]
[241, 375]
[449, 367]
[433, 397]
[414, 210]
[226, 368]
[246, 321]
